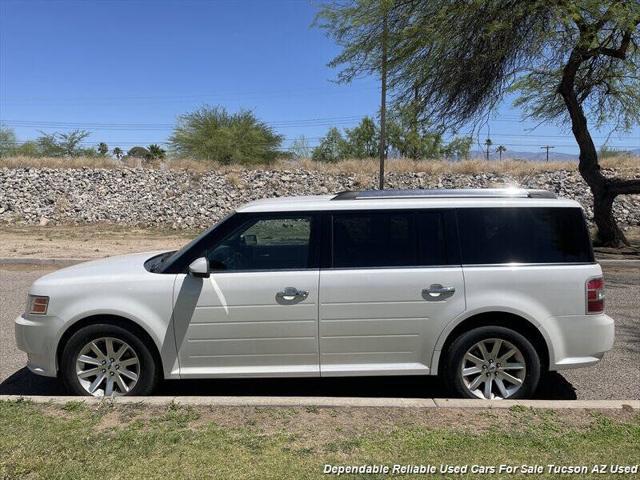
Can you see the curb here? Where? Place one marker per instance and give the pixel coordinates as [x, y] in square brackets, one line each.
[66, 262]
[611, 262]
[60, 262]
[337, 402]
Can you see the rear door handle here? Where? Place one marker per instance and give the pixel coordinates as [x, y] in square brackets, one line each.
[437, 292]
[291, 295]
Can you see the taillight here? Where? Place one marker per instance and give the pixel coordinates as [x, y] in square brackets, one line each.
[595, 295]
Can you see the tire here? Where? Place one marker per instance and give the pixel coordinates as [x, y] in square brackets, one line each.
[134, 372]
[502, 378]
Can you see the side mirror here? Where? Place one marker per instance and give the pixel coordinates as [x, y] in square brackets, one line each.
[199, 268]
[250, 240]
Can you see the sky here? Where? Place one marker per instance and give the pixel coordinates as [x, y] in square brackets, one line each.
[126, 69]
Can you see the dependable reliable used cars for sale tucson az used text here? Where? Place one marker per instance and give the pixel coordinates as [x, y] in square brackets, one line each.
[487, 288]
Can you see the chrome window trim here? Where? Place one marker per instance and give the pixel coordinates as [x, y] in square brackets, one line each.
[516, 264]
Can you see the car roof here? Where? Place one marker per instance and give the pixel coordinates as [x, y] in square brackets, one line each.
[409, 199]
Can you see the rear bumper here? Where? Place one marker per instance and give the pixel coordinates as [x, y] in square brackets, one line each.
[38, 337]
[580, 340]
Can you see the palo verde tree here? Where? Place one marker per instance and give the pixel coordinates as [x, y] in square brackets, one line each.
[366, 31]
[573, 62]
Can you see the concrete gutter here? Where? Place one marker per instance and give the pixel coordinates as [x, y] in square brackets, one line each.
[58, 262]
[324, 402]
[65, 262]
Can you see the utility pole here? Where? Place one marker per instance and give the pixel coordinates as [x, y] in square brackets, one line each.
[383, 99]
[547, 147]
[414, 122]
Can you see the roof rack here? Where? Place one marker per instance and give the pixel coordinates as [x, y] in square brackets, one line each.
[445, 193]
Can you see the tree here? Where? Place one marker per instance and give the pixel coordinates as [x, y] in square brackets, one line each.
[118, 153]
[103, 149]
[500, 150]
[332, 147]
[213, 134]
[458, 148]
[300, 148]
[139, 152]
[570, 62]
[156, 152]
[8, 142]
[60, 144]
[29, 148]
[487, 143]
[366, 31]
[411, 140]
[362, 140]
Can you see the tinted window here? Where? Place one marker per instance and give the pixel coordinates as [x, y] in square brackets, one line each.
[387, 239]
[264, 244]
[432, 246]
[524, 235]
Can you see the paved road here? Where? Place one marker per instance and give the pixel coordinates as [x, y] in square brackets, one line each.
[616, 377]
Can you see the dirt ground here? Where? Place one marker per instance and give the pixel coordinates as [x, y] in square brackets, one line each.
[307, 422]
[86, 241]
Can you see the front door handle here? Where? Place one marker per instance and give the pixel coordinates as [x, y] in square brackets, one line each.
[291, 295]
[437, 292]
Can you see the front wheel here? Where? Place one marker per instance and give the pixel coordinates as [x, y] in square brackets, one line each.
[492, 363]
[107, 360]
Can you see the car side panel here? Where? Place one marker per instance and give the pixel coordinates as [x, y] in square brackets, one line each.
[144, 298]
[545, 295]
[377, 322]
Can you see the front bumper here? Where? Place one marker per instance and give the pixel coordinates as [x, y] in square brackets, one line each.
[580, 340]
[37, 335]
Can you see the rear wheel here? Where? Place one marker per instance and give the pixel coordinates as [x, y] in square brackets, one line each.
[492, 363]
[107, 360]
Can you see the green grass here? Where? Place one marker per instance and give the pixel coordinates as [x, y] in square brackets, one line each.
[82, 441]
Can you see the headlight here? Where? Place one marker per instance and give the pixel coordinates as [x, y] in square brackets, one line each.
[37, 305]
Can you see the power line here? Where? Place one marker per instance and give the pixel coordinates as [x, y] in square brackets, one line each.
[289, 123]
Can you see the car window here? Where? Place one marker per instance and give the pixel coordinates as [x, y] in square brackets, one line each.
[264, 244]
[387, 239]
[431, 237]
[523, 235]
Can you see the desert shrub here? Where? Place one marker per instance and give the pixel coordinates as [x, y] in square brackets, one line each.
[215, 135]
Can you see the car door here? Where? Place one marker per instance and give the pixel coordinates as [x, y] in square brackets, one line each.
[392, 285]
[257, 313]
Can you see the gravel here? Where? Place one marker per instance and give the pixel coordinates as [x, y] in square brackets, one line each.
[185, 200]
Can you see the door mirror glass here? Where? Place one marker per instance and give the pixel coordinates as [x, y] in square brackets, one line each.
[199, 268]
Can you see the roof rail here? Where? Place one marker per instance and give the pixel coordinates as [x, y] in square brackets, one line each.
[444, 193]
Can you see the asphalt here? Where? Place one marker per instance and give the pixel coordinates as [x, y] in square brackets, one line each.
[616, 377]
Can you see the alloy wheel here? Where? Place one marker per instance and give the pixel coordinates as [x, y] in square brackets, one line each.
[107, 366]
[493, 369]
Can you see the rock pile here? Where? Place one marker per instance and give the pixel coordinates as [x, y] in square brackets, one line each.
[183, 200]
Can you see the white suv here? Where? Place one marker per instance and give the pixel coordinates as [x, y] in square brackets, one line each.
[488, 288]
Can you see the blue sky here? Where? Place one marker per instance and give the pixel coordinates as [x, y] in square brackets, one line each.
[125, 69]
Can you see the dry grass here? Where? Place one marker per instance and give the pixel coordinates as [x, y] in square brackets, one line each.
[365, 167]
